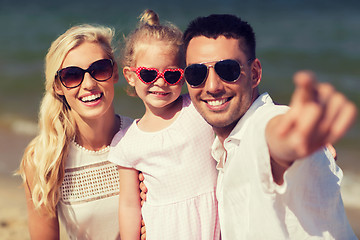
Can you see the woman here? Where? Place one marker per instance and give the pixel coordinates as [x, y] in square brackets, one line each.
[65, 168]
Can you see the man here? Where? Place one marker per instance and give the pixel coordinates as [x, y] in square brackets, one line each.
[276, 180]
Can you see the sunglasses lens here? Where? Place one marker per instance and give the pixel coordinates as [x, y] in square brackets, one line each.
[71, 76]
[229, 70]
[172, 77]
[148, 75]
[195, 74]
[101, 70]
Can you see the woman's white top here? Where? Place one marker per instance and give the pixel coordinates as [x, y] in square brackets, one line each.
[89, 194]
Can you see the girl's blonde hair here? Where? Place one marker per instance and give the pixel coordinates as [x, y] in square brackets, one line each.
[150, 29]
[46, 153]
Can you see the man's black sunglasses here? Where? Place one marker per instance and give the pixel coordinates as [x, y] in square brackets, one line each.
[228, 70]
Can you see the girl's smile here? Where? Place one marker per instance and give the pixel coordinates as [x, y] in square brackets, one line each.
[157, 95]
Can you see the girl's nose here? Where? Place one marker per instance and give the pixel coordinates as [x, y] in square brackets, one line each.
[160, 81]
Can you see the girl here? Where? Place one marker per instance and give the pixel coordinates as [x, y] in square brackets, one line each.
[65, 167]
[170, 144]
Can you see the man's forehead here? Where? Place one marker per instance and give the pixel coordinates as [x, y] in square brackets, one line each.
[204, 49]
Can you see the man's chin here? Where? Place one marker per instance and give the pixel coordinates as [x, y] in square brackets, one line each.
[217, 120]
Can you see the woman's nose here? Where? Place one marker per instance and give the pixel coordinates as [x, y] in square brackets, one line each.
[88, 81]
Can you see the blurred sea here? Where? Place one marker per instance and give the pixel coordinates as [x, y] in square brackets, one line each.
[319, 35]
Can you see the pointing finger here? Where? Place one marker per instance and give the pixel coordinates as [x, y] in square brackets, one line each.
[305, 87]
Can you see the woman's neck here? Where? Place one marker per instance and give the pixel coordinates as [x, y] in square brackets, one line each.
[96, 134]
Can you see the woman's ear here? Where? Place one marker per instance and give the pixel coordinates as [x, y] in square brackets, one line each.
[256, 72]
[130, 76]
[57, 88]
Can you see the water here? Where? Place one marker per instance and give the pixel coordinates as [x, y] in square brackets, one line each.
[291, 35]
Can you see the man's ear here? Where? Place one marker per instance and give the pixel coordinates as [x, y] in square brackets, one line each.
[256, 72]
[130, 76]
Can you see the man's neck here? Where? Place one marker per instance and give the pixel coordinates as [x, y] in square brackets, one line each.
[223, 132]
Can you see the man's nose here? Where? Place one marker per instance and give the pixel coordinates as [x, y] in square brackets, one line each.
[213, 83]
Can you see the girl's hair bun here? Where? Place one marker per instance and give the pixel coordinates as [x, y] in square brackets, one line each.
[149, 17]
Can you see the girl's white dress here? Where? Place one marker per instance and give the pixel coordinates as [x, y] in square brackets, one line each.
[89, 194]
[179, 173]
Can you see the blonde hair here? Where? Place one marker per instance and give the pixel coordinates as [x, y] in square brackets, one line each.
[46, 153]
[150, 29]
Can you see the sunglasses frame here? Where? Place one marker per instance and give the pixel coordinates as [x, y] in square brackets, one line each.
[213, 66]
[58, 73]
[137, 70]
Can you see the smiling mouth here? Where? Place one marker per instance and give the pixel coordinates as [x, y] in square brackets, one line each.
[91, 98]
[217, 102]
[159, 93]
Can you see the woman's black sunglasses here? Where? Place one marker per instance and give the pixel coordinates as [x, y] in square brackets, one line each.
[72, 77]
[228, 70]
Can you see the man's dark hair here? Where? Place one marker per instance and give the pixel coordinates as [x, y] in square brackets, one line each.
[226, 25]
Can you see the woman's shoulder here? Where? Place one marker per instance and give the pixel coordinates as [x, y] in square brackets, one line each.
[125, 122]
[186, 100]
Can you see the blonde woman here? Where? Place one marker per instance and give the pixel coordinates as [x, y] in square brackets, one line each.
[65, 169]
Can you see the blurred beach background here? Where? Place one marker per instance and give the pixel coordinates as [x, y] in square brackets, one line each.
[291, 35]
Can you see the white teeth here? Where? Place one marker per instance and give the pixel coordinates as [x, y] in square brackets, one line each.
[216, 102]
[91, 97]
[159, 93]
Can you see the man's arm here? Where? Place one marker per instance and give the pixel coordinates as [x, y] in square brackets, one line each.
[318, 115]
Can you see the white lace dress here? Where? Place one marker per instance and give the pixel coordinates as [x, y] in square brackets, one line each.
[89, 201]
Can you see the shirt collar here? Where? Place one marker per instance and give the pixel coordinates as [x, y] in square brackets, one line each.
[218, 153]
[217, 150]
[238, 131]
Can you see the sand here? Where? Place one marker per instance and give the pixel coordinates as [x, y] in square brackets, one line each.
[13, 214]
